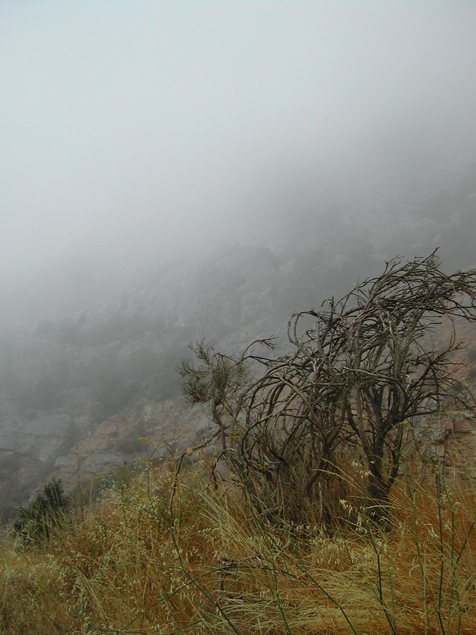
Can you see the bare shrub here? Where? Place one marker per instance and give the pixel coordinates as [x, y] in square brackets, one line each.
[361, 370]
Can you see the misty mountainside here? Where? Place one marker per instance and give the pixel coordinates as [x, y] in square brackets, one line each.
[88, 355]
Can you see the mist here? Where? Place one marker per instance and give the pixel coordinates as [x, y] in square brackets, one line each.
[133, 133]
[178, 172]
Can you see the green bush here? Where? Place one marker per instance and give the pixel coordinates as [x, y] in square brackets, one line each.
[45, 513]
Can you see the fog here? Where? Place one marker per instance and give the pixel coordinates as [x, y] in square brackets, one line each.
[133, 132]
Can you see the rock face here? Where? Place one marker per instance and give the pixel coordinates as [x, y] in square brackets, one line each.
[92, 365]
[451, 440]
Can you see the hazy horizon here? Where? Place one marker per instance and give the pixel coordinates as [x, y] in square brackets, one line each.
[135, 132]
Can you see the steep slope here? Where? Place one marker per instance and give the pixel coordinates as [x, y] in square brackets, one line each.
[88, 356]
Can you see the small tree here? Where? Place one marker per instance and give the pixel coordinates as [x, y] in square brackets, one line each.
[361, 368]
[375, 345]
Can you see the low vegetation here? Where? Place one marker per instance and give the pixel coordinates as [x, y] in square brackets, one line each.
[46, 513]
[208, 562]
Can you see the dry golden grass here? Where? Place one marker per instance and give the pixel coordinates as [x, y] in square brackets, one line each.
[130, 565]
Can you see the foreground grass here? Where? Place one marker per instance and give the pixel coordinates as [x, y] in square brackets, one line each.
[209, 564]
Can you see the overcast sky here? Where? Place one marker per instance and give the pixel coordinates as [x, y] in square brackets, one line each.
[155, 126]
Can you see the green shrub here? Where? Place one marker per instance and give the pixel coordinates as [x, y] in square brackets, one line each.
[46, 512]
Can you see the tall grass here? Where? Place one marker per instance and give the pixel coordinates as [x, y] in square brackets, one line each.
[207, 562]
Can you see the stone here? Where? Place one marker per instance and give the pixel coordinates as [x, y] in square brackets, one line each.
[68, 464]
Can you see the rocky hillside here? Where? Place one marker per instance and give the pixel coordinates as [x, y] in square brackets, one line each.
[88, 357]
